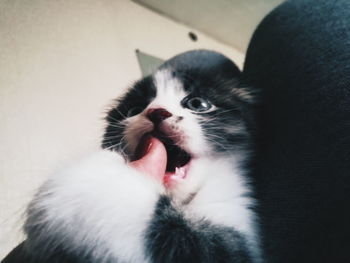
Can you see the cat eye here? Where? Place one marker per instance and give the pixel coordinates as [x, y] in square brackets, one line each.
[134, 111]
[198, 104]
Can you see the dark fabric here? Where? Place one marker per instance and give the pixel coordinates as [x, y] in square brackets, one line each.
[299, 57]
[17, 255]
[20, 255]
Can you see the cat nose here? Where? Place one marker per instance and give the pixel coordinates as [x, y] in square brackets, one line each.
[157, 115]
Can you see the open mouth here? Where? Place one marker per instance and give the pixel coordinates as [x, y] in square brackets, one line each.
[177, 158]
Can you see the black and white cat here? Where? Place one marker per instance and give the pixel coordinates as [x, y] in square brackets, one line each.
[102, 210]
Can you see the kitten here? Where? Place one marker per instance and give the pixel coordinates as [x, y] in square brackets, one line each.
[102, 210]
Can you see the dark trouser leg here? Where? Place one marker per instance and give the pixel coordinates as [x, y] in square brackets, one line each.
[300, 58]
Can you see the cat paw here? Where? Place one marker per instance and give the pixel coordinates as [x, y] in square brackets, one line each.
[99, 204]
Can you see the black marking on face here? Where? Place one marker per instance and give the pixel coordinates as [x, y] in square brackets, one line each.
[132, 103]
[212, 83]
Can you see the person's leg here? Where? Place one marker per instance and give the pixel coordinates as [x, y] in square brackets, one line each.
[300, 59]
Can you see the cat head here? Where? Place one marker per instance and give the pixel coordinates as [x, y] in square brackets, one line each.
[194, 103]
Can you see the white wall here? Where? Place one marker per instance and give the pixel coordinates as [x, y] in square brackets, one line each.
[230, 21]
[61, 64]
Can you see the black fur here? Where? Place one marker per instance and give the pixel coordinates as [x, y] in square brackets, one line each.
[24, 254]
[140, 96]
[173, 239]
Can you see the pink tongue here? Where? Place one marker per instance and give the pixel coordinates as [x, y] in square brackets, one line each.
[154, 160]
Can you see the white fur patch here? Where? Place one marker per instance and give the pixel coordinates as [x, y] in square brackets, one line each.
[100, 205]
[221, 197]
[170, 93]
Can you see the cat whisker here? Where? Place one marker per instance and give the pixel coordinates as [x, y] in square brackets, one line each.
[216, 136]
[123, 115]
[117, 126]
[115, 135]
[223, 112]
[220, 144]
[115, 121]
[121, 146]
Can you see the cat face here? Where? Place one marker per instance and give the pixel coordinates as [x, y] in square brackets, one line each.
[193, 104]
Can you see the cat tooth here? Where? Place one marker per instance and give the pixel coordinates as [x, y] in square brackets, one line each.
[180, 172]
